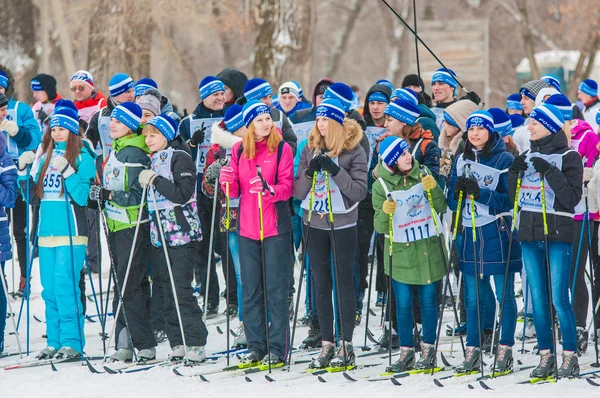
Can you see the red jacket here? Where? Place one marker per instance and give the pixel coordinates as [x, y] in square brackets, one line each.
[90, 106]
[245, 170]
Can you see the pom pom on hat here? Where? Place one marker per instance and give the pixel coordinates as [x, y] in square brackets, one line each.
[234, 117]
[549, 116]
[128, 113]
[166, 125]
[391, 148]
[332, 109]
[341, 92]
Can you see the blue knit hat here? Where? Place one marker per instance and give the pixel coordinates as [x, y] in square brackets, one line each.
[598, 117]
[377, 96]
[450, 120]
[563, 104]
[391, 148]
[128, 113]
[502, 123]
[234, 117]
[341, 92]
[119, 84]
[142, 85]
[331, 109]
[252, 109]
[257, 88]
[589, 87]
[481, 118]
[166, 125]
[210, 85]
[549, 116]
[551, 81]
[514, 102]
[385, 82]
[65, 103]
[65, 117]
[405, 94]
[3, 80]
[516, 120]
[443, 75]
[403, 110]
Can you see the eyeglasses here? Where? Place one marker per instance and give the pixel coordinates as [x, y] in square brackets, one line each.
[77, 88]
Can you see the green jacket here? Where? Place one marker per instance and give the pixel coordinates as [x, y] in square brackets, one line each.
[130, 149]
[415, 263]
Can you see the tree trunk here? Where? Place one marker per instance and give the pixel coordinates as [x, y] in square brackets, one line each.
[397, 45]
[299, 64]
[528, 39]
[342, 38]
[582, 71]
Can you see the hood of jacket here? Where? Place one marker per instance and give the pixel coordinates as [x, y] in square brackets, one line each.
[355, 134]
[179, 144]
[449, 142]
[314, 93]
[10, 91]
[235, 80]
[426, 112]
[419, 132]
[554, 143]
[579, 128]
[221, 137]
[376, 87]
[133, 140]
[165, 105]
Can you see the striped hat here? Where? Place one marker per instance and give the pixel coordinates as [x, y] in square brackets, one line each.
[234, 117]
[549, 116]
[3, 80]
[551, 81]
[385, 82]
[65, 117]
[444, 75]
[252, 109]
[589, 87]
[403, 110]
[166, 126]
[405, 94]
[391, 148]
[341, 92]
[257, 88]
[210, 85]
[142, 85]
[128, 113]
[502, 123]
[289, 88]
[119, 84]
[563, 104]
[482, 119]
[83, 76]
[513, 102]
[331, 109]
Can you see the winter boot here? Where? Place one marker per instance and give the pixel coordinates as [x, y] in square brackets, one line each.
[405, 362]
[384, 340]
[338, 360]
[240, 341]
[546, 366]
[177, 353]
[582, 341]
[570, 365]
[471, 362]
[504, 361]
[212, 310]
[231, 311]
[147, 354]
[379, 302]
[271, 359]
[22, 286]
[314, 337]
[46, 353]
[67, 353]
[195, 354]
[428, 359]
[122, 355]
[462, 329]
[325, 357]
[251, 357]
[529, 330]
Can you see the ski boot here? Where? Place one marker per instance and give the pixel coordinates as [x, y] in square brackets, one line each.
[546, 366]
[472, 361]
[504, 361]
[177, 353]
[570, 365]
[251, 357]
[22, 285]
[240, 341]
[582, 341]
[325, 357]
[195, 354]
[67, 353]
[357, 318]
[231, 311]
[147, 354]
[271, 359]
[350, 359]
[379, 301]
[462, 329]
[314, 337]
[427, 359]
[384, 341]
[212, 311]
[122, 355]
[405, 362]
[47, 353]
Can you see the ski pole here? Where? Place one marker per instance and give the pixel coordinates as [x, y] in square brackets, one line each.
[513, 227]
[264, 269]
[459, 287]
[365, 348]
[304, 255]
[592, 283]
[13, 244]
[211, 242]
[28, 256]
[168, 261]
[389, 287]
[526, 294]
[417, 44]
[12, 316]
[227, 225]
[583, 222]
[548, 274]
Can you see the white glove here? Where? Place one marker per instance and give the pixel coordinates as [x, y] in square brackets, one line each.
[588, 173]
[26, 159]
[146, 177]
[10, 127]
[62, 165]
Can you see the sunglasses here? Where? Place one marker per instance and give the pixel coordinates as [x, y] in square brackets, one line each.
[77, 88]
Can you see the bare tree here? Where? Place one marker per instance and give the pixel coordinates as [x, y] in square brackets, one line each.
[585, 63]
[397, 46]
[528, 38]
[342, 38]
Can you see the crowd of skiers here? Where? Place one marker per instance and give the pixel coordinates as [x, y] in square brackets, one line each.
[258, 176]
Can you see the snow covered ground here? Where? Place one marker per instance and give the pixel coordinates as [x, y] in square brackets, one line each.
[74, 380]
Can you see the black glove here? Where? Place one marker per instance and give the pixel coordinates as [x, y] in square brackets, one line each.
[99, 193]
[520, 164]
[472, 188]
[329, 165]
[313, 167]
[42, 116]
[461, 185]
[473, 97]
[540, 165]
[198, 136]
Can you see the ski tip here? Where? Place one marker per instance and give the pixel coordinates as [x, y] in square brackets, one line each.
[348, 377]
[395, 382]
[444, 360]
[111, 371]
[372, 312]
[204, 379]
[269, 379]
[470, 387]
[91, 367]
[219, 330]
[53, 367]
[592, 382]
[484, 385]
[176, 372]
[321, 379]
[249, 380]
[519, 362]
[438, 383]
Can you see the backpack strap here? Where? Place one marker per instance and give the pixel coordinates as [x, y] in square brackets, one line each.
[279, 152]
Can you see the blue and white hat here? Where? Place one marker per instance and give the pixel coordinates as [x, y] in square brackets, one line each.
[128, 113]
[391, 148]
[166, 125]
[3, 80]
[450, 120]
[83, 76]
[377, 96]
[66, 103]
[36, 85]
[300, 93]
[551, 81]
[234, 117]
[549, 116]
[405, 94]
[502, 123]
[589, 87]
[289, 88]
[516, 120]
[563, 104]
[443, 75]
[403, 110]
[210, 85]
[119, 84]
[331, 109]
[481, 118]
[341, 92]
[65, 117]
[252, 109]
[513, 102]
[385, 82]
[142, 85]
[257, 88]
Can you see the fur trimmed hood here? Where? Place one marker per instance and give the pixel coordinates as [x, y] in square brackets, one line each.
[220, 136]
[355, 134]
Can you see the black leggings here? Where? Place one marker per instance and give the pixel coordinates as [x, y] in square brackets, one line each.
[581, 297]
[320, 256]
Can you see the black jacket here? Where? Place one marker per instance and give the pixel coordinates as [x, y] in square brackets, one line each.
[567, 185]
[183, 168]
[376, 87]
